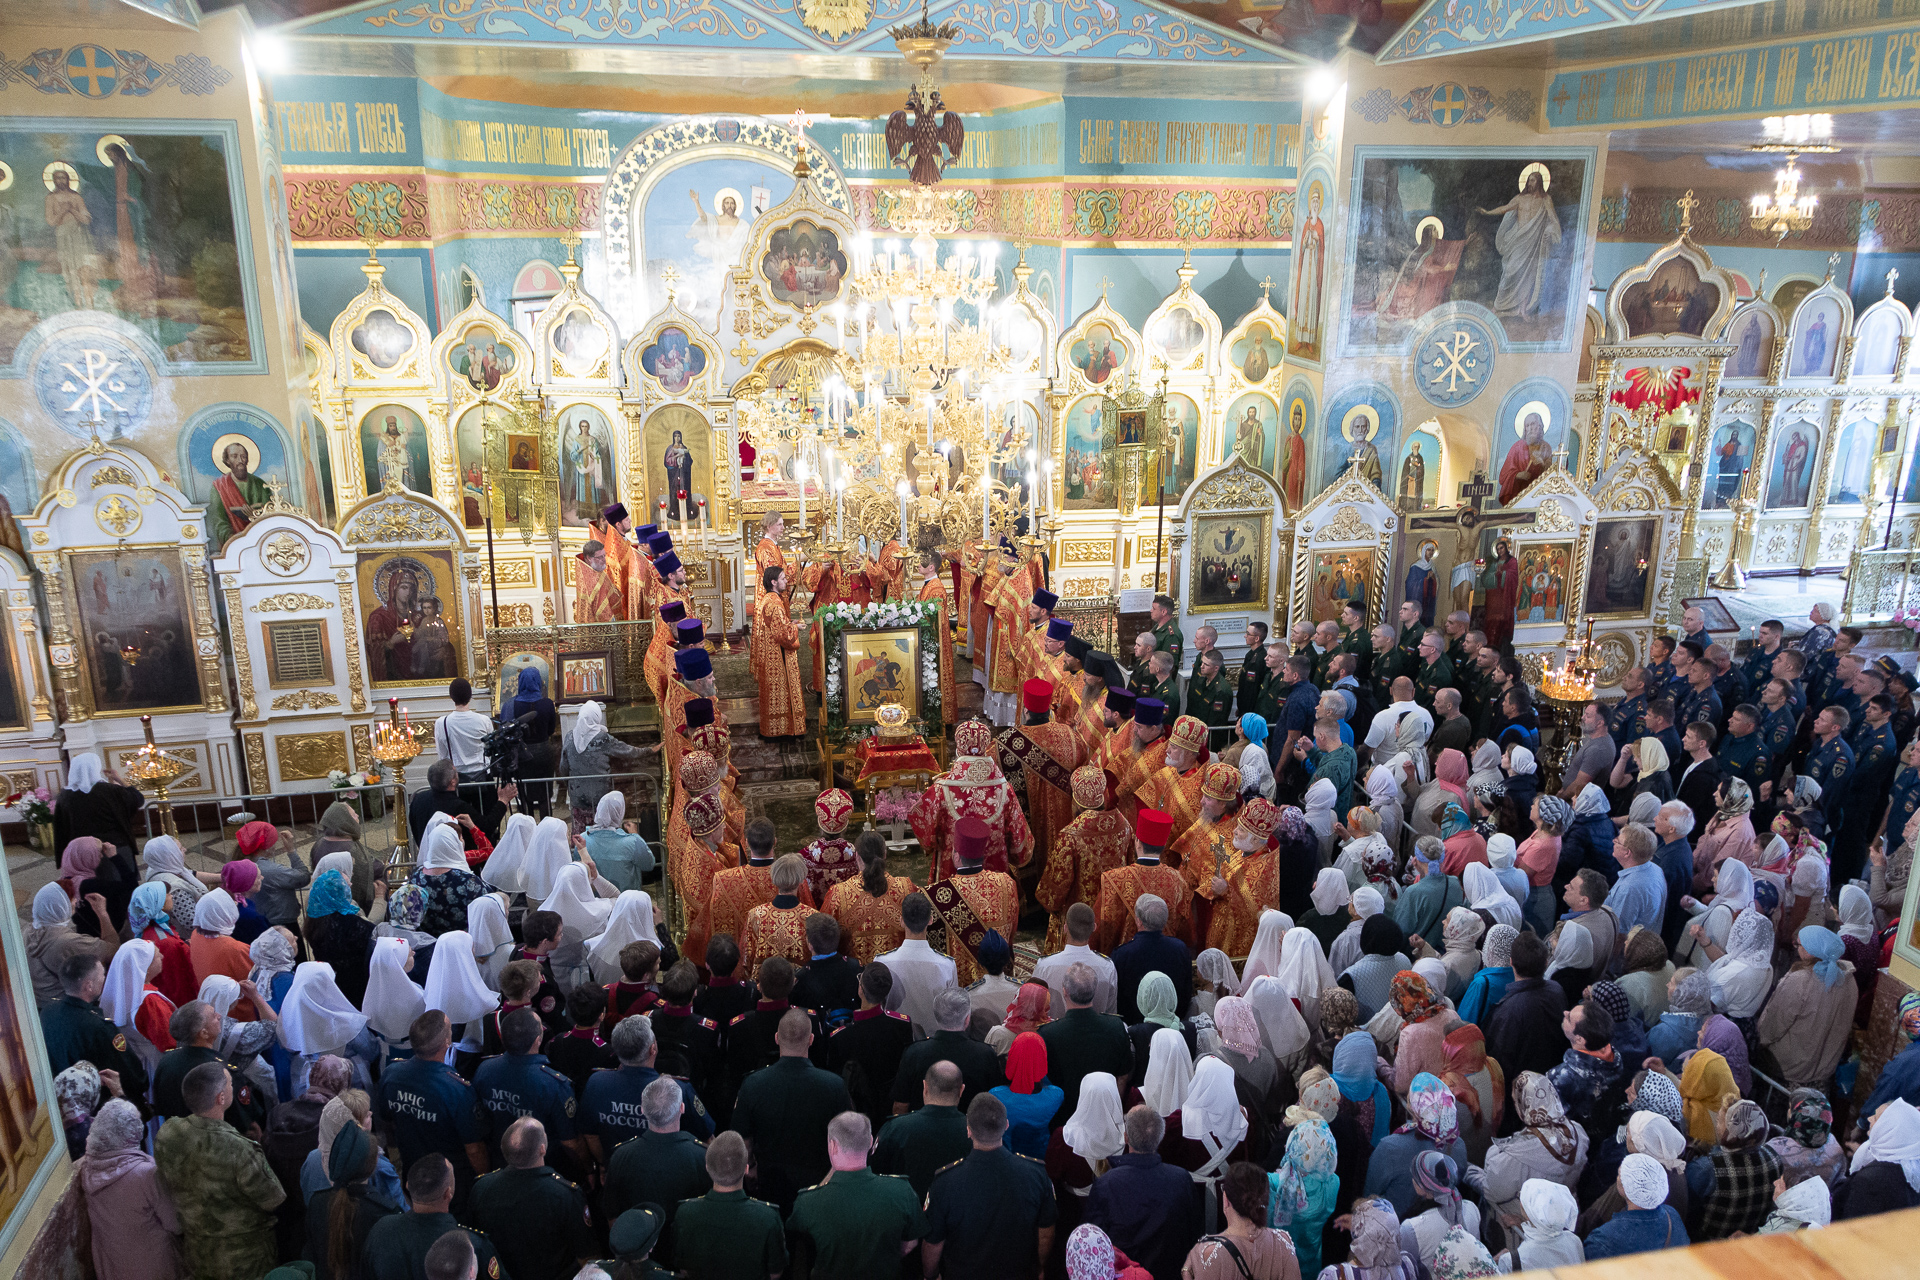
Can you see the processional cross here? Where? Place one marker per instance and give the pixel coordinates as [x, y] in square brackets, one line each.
[1465, 521]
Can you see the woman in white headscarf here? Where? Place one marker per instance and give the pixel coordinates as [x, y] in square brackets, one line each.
[166, 862]
[582, 906]
[455, 988]
[317, 1020]
[1408, 758]
[507, 868]
[1096, 1132]
[51, 939]
[1305, 973]
[1885, 1172]
[1212, 1119]
[1318, 807]
[1486, 774]
[548, 853]
[492, 937]
[1486, 893]
[615, 845]
[630, 921]
[1264, 956]
[1387, 801]
[1743, 976]
[1460, 933]
[1367, 901]
[393, 1000]
[1283, 1029]
[1331, 894]
[1706, 936]
[443, 873]
[137, 1009]
[590, 752]
[96, 803]
[243, 1043]
[1807, 1204]
[1169, 1071]
[1216, 970]
[1572, 961]
[1546, 1237]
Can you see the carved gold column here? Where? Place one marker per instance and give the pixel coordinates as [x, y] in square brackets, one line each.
[1597, 428]
[242, 659]
[350, 637]
[1697, 459]
[60, 646]
[206, 636]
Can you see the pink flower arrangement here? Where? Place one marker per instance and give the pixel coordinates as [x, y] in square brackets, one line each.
[36, 806]
[892, 805]
[1910, 619]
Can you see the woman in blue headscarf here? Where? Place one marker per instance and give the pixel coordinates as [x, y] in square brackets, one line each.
[538, 756]
[1256, 771]
[1808, 1020]
[1361, 1094]
[148, 919]
[338, 934]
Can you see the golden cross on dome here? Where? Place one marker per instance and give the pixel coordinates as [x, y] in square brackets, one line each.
[1266, 288]
[1687, 205]
[1105, 284]
[670, 277]
[570, 238]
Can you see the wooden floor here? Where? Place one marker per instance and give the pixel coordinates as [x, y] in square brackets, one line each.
[1886, 1247]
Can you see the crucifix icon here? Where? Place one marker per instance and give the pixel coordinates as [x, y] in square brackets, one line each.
[1106, 284]
[1893, 273]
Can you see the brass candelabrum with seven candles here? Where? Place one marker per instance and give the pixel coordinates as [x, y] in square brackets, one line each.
[1564, 694]
[394, 744]
[154, 770]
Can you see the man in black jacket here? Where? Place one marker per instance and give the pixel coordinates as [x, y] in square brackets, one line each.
[979, 1065]
[1696, 779]
[1523, 1032]
[1150, 949]
[1145, 1205]
[1253, 670]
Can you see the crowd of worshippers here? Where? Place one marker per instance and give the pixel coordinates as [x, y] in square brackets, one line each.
[1483, 1027]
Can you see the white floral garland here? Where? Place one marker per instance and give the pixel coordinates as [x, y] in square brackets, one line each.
[905, 613]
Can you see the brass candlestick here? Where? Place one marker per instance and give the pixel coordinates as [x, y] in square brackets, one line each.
[154, 770]
[394, 744]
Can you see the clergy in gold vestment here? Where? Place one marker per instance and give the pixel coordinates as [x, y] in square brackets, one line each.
[658, 664]
[973, 787]
[1253, 883]
[594, 599]
[696, 855]
[779, 927]
[643, 589]
[767, 552]
[1122, 887]
[931, 588]
[1005, 590]
[621, 559]
[868, 906]
[1174, 788]
[1094, 843]
[972, 900]
[887, 572]
[1137, 752]
[1090, 722]
[826, 582]
[1037, 638]
[738, 890]
[1206, 850]
[1045, 755]
[776, 660]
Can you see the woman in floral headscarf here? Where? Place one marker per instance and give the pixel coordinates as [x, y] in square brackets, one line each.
[1549, 1146]
[1242, 1049]
[1091, 1256]
[1376, 1251]
[1030, 1011]
[1743, 976]
[77, 1091]
[1305, 1189]
[1421, 1048]
[1432, 1126]
[1367, 857]
[1479, 1089]
[1808, 1148]
[1438, 1211]
[1496, 974]
[1732, 1185]
[1728, 834]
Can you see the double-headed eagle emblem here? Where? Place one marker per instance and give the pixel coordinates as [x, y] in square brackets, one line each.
[917, 135]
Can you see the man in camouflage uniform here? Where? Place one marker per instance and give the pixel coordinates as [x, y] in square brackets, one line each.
[221, 1183]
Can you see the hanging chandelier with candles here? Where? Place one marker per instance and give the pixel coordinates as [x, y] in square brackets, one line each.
[902, 429]
[1786, 210]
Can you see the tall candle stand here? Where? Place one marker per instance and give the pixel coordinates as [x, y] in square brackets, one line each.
[394, 744]
[1565, 693]
[154, 770]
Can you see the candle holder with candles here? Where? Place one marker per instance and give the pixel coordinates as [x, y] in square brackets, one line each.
[1564, 693]
[152, 769]
[394, 744]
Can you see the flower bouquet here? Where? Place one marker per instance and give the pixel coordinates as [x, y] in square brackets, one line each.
[1908, 618]
[36, 810]
[890, 809]
[366, 786]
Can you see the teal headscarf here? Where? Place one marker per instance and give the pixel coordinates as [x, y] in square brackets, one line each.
[1255, 727]
[330, 896]
[1353, 1072]
[1158, 1000]
[149, 907]
[1453, 821]
[1826, 948]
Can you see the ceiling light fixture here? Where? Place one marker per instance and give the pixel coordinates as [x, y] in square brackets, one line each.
[1786, 210]
[1800, 135]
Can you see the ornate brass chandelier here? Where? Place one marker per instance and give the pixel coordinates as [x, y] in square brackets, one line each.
[1786, 210]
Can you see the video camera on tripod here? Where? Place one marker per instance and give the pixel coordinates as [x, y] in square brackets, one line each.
[504, 748]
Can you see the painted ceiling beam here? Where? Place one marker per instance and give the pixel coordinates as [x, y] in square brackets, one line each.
[1445, 27]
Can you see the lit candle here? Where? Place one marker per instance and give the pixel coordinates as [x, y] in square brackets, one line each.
[800, 473]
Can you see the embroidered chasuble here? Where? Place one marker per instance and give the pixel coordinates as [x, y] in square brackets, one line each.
[658, 664]
[1046, 756]
[643, 585]
[1122, 887]
[973, 788]
[1006, 598]
[1252, 887]
[776, 665]
[829, 860]
[595, 600]
[767, 552]
[869, 926]
[1206, 851]
[1131, 766]
[738, 890]
[621, 573]
[967, 906]
[1093, 844]
[1090, 723]
[1178, 794]
[775, 931]
[694, 867]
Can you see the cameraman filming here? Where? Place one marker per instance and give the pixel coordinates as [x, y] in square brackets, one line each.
[441, 796]
[460, 736]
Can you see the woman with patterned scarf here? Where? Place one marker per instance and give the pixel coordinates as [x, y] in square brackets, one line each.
[1732, 1185]
[1439, 1215]
[1432, 1126]
[1549, 1146]
[1479, 1090]
[1808, 1147]
[1421, 1048]
[1305, 1189]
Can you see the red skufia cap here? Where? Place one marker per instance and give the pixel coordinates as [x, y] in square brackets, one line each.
[1037, 695]
[970, 836]
[1154, 828]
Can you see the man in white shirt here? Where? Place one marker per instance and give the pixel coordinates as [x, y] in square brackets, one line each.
[1052, 969]
[1387, 723]
[919, 972]
[459, 736]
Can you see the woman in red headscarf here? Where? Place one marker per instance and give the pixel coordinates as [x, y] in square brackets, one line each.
[1031, 1101]
[276, 894]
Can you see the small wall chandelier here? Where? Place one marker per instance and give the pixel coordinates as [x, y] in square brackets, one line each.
[1786, 210]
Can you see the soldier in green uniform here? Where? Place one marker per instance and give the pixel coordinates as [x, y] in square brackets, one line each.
[1743, 752]
[397, 1245]
[537, 1220]
[663, 1166]
[1455, 633]
[1140, 682]
[857, 1220]
[1389, 664]
[1301, 638]
[1470, 679]
[1210, 698]
[991, 1214]
[1410, 631]
[1435, 673]
[1273, 694]
[1354, 639]
[1326, 643]
[724, 1233]
[1166, 628]
[1165, 677]
[77, 1031]
[221, 1183]
[633, 1238]
[920, 1143]
[1253, 669]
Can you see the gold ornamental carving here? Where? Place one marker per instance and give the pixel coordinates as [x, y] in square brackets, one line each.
[1087, 551]
[1347, 525]
[112, 474]
[242, 660]
[510, 615]
[284, 553]
[836, 19]
[190, 781]
[1234, 489]
[117, 516]
[290, 601]
[304, 756]
[17, 782]
[304, 700]
[350, 634]
[363, 745]
[515, 573]
[1551, 517]
[397, 522]
[259, 781]
[1616, 658]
